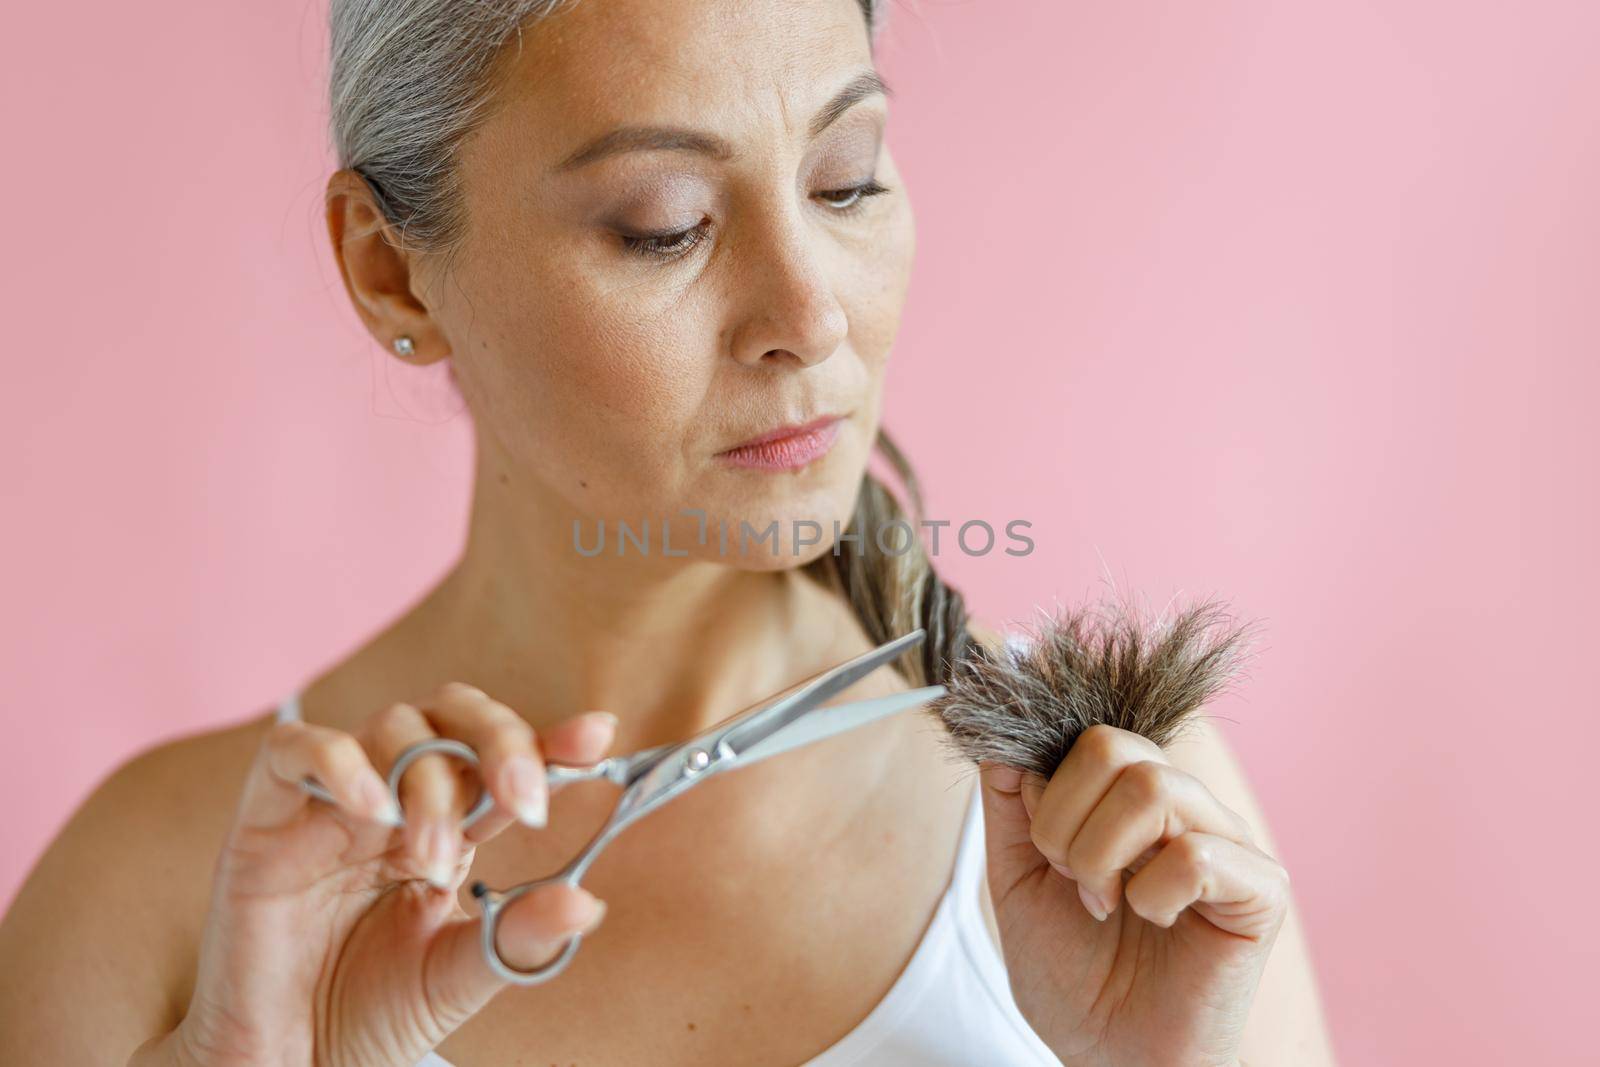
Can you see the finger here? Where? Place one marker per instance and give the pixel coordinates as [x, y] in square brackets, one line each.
[293, 751]
[431, 792]
[1060, 807]
[1149, 803]
[532, 931]
[514, 754]
[579, 740]
[1232, 884]
[1010, 853]
[511, 765]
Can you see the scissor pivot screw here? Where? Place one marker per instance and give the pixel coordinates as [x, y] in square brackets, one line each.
[697, 760]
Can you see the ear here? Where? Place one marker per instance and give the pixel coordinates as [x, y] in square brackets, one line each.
[378, 274]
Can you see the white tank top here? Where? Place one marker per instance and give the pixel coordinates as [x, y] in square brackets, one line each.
[951, 1005]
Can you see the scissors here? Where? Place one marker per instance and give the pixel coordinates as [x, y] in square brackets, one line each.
[653, 776]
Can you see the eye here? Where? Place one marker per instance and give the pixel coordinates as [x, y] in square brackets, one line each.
[669, 246]
[666, 245]
[853, 197]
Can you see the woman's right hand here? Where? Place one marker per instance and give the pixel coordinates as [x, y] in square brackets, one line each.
[335, 937]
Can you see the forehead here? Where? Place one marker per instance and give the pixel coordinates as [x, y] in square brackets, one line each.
[713, 63]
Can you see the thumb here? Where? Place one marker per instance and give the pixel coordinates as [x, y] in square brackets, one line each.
[532, 930]
[1007, 826]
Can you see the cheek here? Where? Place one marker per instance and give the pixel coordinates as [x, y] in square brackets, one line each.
[582, 389]
[642, 377]
[882, 278]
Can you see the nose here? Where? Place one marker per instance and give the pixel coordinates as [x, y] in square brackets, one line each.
[789, 309]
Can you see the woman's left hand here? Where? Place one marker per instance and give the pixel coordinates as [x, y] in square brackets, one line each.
[1160, 968]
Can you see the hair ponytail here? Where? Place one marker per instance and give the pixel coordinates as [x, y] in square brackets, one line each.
[895, 593]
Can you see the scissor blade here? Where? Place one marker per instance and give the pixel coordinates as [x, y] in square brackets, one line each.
[751, 727]
[823, 723]
[758, 725]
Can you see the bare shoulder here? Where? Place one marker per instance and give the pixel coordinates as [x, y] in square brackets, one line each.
[1203, 751]
[108, 923]
[995, 640]
[1286, 1020]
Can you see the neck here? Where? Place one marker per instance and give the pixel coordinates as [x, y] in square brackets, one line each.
[668, 644]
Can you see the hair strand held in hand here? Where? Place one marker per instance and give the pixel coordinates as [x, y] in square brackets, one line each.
[1025, 705]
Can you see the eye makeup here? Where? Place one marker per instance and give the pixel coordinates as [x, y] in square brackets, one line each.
[676, 244]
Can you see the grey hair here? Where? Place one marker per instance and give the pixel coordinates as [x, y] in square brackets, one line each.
[408, 80]
[1025, 705]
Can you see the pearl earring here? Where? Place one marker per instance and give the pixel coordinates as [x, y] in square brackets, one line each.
[403, 346]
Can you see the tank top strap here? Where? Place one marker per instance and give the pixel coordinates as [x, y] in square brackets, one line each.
[289, 707]
[966, 877]
[998, 1019]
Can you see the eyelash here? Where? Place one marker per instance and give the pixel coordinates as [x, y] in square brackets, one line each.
[669, 246]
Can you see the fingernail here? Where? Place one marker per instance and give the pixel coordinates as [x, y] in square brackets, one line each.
[594, 921]
[380, 802]
[1092, 902]
[532, 800]
[441, 853]
[1061, 869]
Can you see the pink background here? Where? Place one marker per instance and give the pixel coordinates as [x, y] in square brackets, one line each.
[1294, 303]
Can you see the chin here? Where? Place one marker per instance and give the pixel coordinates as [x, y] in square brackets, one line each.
[781, 535]
[787, 560]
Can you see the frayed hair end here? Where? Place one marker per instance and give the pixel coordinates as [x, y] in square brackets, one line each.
[1025, 705]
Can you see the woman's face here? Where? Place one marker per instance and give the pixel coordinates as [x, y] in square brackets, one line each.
[618, 320]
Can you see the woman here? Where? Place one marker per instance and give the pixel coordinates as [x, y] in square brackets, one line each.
[645, 234]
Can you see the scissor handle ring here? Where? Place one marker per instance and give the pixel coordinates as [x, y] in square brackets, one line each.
[493, 903]
[449, 747]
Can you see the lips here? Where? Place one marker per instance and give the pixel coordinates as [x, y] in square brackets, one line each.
[788, 447]
[786, 431]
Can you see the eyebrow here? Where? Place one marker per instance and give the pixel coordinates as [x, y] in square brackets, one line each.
[679, 138]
